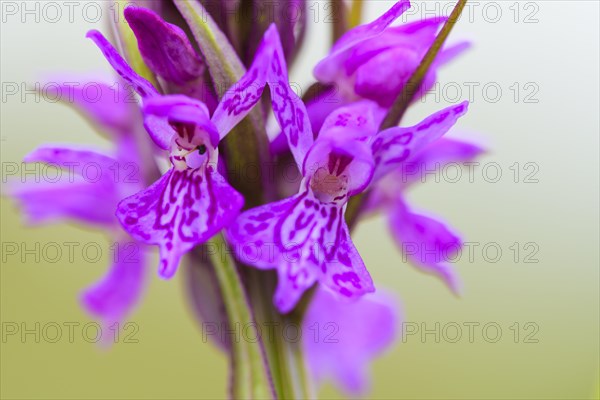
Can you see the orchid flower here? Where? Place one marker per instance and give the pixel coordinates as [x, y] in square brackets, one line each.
[305, 237]
[343, 338]
[192, 201]
[89, 192]
[374, 61]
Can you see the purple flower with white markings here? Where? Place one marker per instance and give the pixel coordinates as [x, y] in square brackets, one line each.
[192, 201]
[305, 237]
[393, 147]
[89, 188]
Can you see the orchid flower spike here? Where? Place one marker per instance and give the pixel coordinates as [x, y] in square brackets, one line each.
[192, 201]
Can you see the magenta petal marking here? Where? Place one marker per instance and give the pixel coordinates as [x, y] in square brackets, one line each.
[304, 240]
[359, 120]
[343, 270]
[287, 106]
[330, 148]
[179, 211]
[293, 280]
[252, 234]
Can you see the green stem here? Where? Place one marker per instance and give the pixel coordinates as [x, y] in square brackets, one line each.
[251, 375]
[261, 285]
[303, 377]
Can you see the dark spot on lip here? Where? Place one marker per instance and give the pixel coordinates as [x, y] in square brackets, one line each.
[201, 149]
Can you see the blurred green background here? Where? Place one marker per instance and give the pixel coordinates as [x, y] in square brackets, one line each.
[550, 45]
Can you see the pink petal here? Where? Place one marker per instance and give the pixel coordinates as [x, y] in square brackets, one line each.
[109, 108]
[305, 240]
[252, 235]
[396, 67]
[394, 146]
[358, 120]
[437, 155]
[343, 270]
[85, 188]
[139, 84]
[340, 156]
[114, 297]
[179, 211]
[320, 107]
[269, 66]
[342, 339]
[427, 242]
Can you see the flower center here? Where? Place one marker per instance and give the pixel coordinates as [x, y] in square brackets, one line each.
[189, 148]
[328, 187]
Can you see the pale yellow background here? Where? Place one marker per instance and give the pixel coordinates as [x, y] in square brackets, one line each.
[559, 53]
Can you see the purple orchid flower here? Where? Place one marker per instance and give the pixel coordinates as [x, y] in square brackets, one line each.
[192, 201]
[342, 338]
[428, 242]
[91, 197]
[374, 61]
[305, 237]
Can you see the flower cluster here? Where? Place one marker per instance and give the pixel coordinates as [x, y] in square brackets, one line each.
[183, 120]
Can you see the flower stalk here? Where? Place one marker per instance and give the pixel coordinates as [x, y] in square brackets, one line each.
[251, 377]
